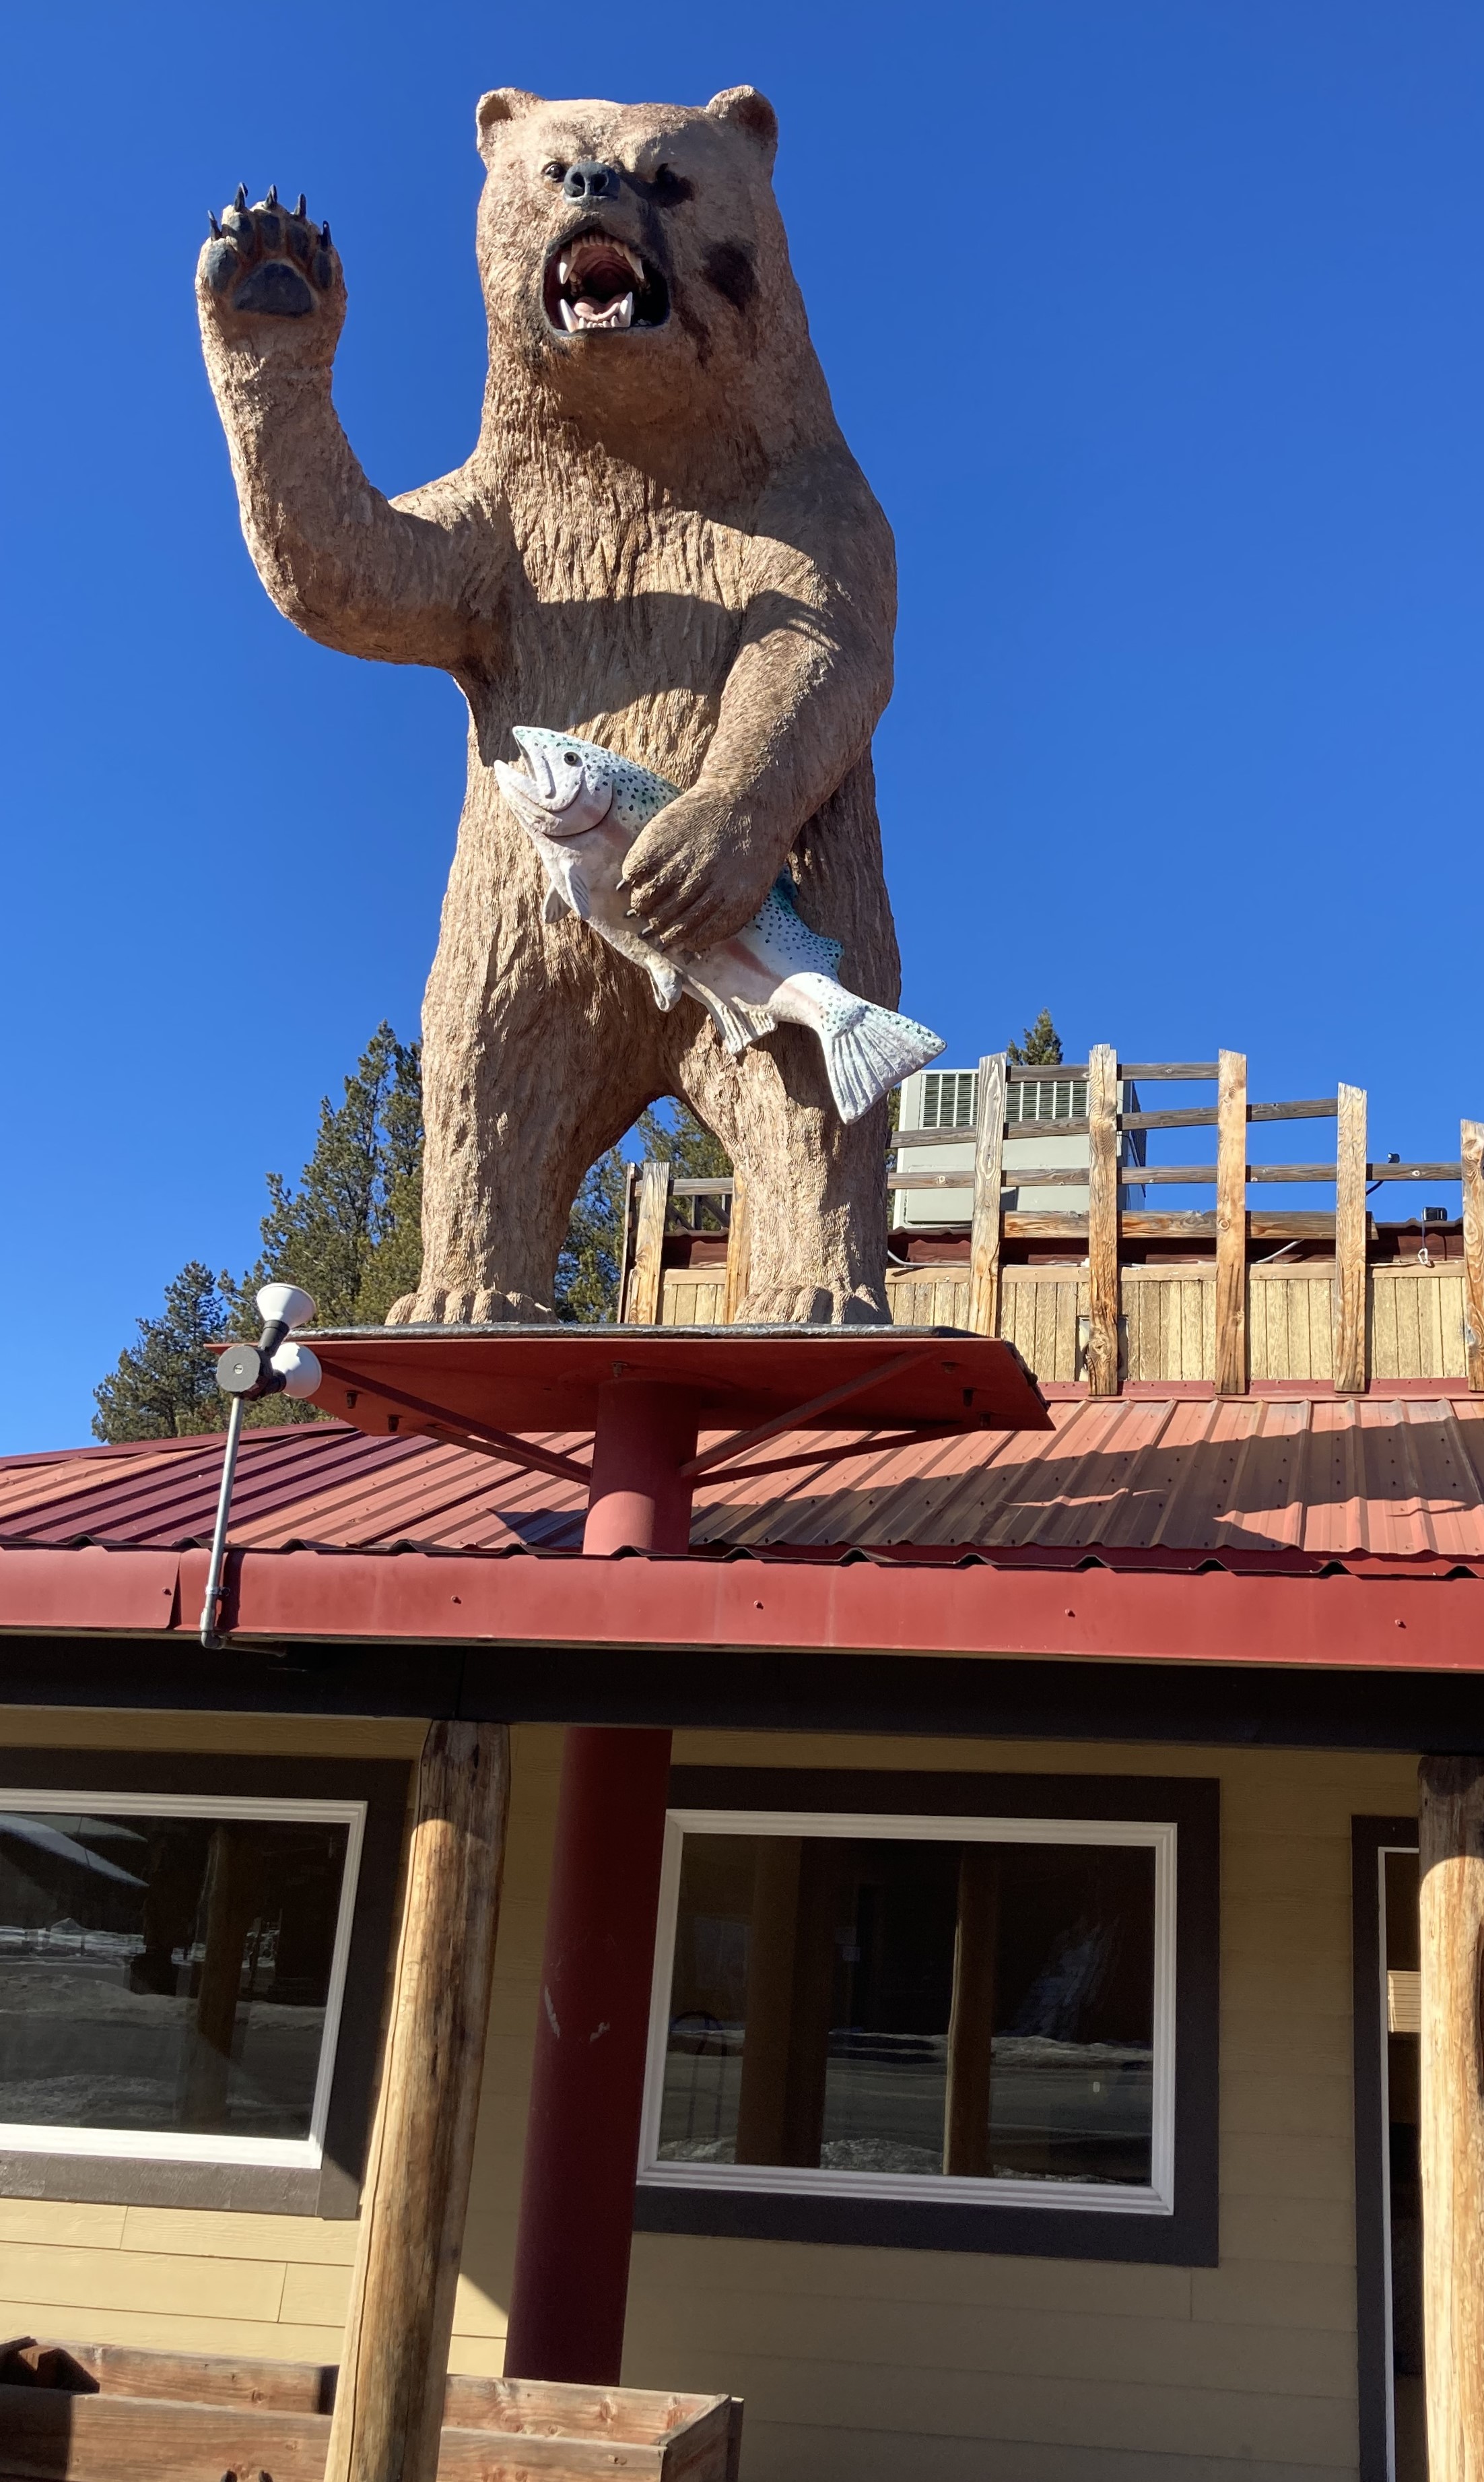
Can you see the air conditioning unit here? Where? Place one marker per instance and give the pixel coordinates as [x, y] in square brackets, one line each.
[947, 1099]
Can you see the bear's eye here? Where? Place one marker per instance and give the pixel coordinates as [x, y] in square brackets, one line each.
[670, 186]
[553, 171]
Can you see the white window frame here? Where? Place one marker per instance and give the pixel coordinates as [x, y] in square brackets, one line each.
[1051, 2196]
[180, 2146]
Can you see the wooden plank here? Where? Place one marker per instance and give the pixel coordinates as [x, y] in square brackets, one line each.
[1450, 1841]
[739, 1242]
[626, 1238]
[1102, 1204]
[972, 2014]
[1230, 1373]
[647, 1276]
[988, 1212]
[390, 2399]
[1348, 1314]
[1172, 1072]
[1471, 1151]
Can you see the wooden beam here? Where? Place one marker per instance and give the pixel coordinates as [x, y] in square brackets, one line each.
[1348, 1312]
[1472, 1156]
[1231, 1226]
[645, 1293]
[739, 1250]
[971, 2015]
[1450, 1839]
[985, 1231]
[1102, 1206]
[389, 2400]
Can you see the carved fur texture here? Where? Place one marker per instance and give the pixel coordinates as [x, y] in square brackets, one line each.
[662, 542]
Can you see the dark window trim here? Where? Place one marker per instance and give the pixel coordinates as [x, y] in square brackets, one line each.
[333, 2191]
[1368, 1838]
[1188, 2237]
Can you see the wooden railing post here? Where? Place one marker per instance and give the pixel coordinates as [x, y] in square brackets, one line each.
[1349, 1319]
[739, 1250]
[1471, 1167]
[988, 1184]
[389, 2396]
[1450, 1839]
[1231, 1225]
[644, 1292]
[1104, 1207]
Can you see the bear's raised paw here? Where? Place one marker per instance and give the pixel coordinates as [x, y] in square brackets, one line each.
[266, 262]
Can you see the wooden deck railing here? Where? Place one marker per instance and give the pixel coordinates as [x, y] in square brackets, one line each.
[1106, 1227]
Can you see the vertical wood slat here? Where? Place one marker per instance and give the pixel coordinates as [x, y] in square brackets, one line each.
[1349, 1295]
[738, 1247]
[646, 1274]
[972, 2014]
[1472, 1154]
[1450, 1839]
[1103, 1219]
[1232, 1355]
[988, 1184]
[394, 2361]
[626, 1238]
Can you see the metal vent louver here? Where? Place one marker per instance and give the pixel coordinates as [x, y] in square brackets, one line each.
[1046, 1098]
[948, 1099]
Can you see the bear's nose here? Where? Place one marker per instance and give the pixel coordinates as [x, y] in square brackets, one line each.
[586, 182]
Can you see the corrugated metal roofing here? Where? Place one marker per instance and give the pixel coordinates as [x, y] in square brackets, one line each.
[1290, 1482]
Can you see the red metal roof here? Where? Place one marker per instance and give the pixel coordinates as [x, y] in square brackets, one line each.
[1291, 1482]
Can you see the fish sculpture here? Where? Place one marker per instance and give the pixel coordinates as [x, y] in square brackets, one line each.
[582, 806]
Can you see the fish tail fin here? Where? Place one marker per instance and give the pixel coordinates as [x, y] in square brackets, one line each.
[871, 1053]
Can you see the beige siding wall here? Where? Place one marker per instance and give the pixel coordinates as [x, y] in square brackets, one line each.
[862, 2364]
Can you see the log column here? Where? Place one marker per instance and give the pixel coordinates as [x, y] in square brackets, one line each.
[571, 2284]
[390, 2399]
[1452, 1856]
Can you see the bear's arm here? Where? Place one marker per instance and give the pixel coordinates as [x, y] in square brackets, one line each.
[812, 674]
[400, 580]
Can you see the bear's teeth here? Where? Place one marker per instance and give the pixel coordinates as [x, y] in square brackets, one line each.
[587, 314]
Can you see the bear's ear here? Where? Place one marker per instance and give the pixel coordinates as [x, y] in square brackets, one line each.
[743, 108]
[501, 103]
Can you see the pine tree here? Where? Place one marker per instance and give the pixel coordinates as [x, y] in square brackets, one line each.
[1039, 1048]
[164, 1387]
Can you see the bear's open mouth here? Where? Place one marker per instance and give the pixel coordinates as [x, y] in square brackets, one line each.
[593, 280]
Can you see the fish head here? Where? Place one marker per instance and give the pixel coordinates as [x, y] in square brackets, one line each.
[566, 786]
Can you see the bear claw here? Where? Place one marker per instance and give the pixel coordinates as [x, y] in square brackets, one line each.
[269, 264]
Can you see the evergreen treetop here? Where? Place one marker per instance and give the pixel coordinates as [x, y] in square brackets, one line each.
[1039, 1047]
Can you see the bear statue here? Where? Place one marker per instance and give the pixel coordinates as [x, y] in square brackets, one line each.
[660, 542]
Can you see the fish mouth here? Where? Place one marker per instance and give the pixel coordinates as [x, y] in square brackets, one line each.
[592, 281]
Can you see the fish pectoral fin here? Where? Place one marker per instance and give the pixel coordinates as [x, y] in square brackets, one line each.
[734, 1021]
[556, 906]
[665, 981]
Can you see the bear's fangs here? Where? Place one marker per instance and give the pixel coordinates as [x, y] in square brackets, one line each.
[593, 280]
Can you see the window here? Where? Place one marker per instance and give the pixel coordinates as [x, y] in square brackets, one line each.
[171, 1973]
[192, 1963]
[967, 2013]
[1388, 2180]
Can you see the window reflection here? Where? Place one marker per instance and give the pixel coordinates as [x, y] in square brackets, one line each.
[166, 1973]
[984, 2010]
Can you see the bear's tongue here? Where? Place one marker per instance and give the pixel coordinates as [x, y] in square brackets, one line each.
[596, 280]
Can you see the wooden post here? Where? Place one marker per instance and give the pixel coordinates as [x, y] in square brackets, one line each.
[645, 1289]
[988, 1182]
[1348, 1317]
[739, 1243]
[971, 2021]
[389, 2397]
[780, 2108]
[1231, 1225]
[1450, 1840]
[626, 1239]
[1471, 1164]
[1103, 1203]
[234, 1878]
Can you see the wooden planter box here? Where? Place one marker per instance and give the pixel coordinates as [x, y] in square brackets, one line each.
[80, 2413]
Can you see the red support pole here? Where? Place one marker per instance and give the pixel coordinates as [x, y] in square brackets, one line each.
[570, 2289]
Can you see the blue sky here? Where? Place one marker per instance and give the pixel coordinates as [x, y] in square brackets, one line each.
[1155, 328]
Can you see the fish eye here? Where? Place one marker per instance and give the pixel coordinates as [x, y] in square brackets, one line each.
[571, 757]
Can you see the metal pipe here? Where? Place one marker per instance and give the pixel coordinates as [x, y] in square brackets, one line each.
[209, 1637]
